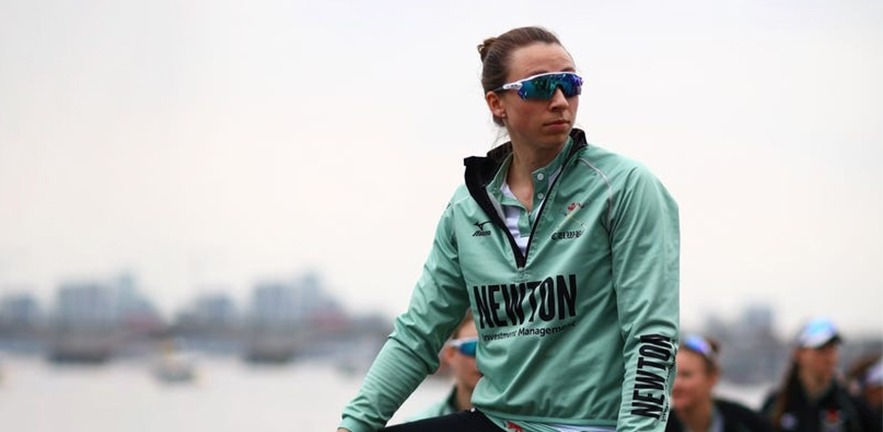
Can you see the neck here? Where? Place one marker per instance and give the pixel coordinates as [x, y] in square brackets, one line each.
[697, 418]
[463, 398]
[526, 160]
[814, 385]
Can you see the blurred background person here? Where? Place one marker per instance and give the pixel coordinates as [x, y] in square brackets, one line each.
[694, 407]
[458, 355]
[813, 397]
[866, 382]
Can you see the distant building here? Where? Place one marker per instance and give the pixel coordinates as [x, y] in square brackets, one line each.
[749, 349]
[758, 319]
[136, 314]
[283, 314]
[84, 323]
[209, 312]
[93, 319]
[85, 305]
[210, 324]
[756, 352]
[22, 324]
[20, 312]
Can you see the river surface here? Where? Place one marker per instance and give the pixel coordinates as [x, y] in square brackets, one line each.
[227, 395]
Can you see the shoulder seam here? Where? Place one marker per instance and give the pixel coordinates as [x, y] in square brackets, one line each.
[609, 187]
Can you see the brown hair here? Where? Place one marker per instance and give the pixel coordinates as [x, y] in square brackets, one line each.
[857, 374]
[496, 51]
[780, 400]
[467, 319]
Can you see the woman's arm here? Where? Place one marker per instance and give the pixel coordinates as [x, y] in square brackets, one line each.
[645, 242]
[437, 305]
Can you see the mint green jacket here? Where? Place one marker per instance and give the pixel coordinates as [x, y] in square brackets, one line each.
[581, 329]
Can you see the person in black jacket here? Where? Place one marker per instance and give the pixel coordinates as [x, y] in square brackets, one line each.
[694, 406]
[866, 382]
[813, 398]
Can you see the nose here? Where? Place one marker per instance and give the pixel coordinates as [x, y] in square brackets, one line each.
[558, 100]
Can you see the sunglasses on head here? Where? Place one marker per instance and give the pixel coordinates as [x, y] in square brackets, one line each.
[699, 345]
[466, 346]
[543, 86]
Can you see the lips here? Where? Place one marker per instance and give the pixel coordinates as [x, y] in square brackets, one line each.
[557, 122]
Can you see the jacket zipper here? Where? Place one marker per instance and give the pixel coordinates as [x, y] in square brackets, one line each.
[521, 259]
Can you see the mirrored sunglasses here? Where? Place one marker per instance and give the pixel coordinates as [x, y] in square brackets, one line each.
[466, 346]
[543, 86]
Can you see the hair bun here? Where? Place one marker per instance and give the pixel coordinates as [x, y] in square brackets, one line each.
[485, 46]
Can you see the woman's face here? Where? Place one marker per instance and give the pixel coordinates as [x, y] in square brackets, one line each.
[543, 124]
[694, 382]
[821, 362]
[464, 367]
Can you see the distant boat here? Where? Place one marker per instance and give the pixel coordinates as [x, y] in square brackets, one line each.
[83, 345]
[273, 343]
[173, 364]
[271, 348]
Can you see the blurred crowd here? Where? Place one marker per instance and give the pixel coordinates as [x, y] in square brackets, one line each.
[814, 395]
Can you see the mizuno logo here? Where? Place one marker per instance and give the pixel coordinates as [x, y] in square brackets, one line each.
[481, 232]
[481, 225]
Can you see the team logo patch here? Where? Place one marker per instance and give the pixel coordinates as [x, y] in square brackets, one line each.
[574, 206]
[570, 217]
[571, 212]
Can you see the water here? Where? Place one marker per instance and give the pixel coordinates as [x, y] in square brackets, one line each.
[228, 395]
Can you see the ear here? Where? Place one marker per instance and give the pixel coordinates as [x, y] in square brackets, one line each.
[447, 354]
[713, 378]
[495, 104]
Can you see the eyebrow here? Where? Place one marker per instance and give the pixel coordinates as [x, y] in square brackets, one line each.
[542, 71]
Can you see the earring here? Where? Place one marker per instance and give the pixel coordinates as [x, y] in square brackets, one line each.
[503, 115]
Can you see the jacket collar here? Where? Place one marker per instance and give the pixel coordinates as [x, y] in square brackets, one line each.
[480, 170]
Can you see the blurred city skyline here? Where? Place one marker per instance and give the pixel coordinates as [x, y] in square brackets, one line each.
[217, 143]
[294, 320]
[300, 297]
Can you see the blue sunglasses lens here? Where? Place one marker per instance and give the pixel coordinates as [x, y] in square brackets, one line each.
[543, 86]
[466, 346]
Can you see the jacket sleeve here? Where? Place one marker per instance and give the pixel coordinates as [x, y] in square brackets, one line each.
[438, 304]
[645, 242]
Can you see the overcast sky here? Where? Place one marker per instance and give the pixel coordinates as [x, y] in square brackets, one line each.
[210, 142]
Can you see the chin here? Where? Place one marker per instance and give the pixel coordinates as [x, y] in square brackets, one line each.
[679, 403]
[561, 137]
[554, 141]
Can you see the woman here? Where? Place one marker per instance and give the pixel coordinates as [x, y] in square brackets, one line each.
[567, 255]
[813, 398]
[866, 382]
[695, 407]
[459, 356]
